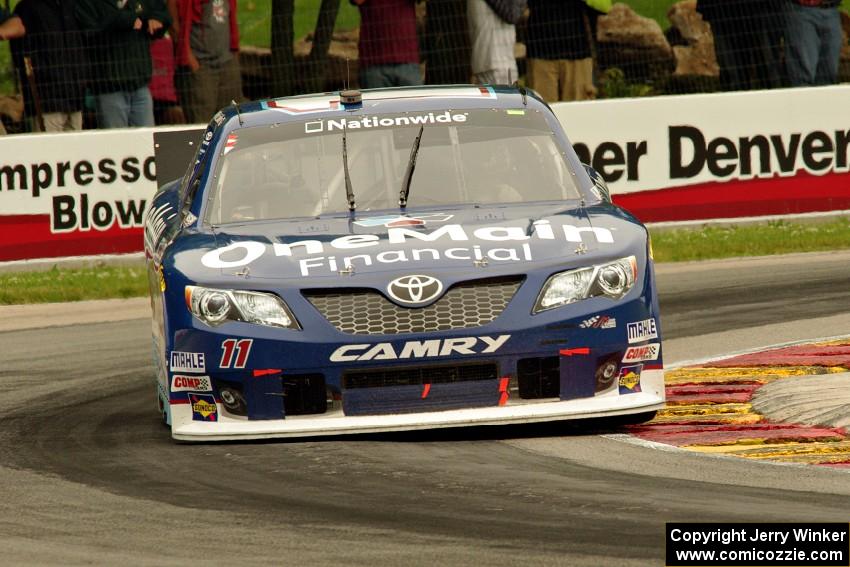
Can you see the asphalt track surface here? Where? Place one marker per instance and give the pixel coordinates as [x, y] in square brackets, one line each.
[89, 475]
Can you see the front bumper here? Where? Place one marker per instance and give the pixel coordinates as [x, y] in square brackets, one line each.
[612, 403]
[517, 368]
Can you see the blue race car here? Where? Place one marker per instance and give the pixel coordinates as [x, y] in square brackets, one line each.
[394, 260]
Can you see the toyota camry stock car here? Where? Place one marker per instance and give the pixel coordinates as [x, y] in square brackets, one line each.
[395, 260]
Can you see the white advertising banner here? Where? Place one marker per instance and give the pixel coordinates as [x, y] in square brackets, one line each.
[719, 155]
[73, 194]
[665, 158]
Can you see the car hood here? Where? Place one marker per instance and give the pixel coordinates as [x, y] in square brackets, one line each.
[342, 250]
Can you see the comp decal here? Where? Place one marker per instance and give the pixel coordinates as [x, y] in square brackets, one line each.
[204, 407]
[641, 353]
[419, 349]
[642, 330]
[188, 362]
[180, 383]
[629, 379]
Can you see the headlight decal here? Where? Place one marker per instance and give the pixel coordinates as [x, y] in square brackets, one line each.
[217, 306]
[611, 279]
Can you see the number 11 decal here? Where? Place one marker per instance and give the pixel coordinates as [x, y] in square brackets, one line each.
[241, 347]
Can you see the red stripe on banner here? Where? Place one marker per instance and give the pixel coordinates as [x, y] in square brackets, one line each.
[426, 388]
[803, 193]
[26, 237]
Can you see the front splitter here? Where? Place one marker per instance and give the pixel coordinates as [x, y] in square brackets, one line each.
[226, 428]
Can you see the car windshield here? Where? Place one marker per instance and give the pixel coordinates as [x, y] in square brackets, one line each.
[465, 157]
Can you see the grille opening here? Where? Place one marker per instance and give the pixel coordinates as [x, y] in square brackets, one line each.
[388, 377]
[539, 377]
[232, 397]
[368, 312]
[304, 394]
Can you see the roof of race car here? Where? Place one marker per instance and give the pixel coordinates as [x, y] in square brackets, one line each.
[391, 100]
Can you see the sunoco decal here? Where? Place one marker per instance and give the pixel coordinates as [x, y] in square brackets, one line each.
[419, 349]
[629, 379]
[641, 353]
[203, 407]
[642, 331]
[514, 247]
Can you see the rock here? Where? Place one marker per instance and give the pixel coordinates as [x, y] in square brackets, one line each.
[634, 44]
[12, 107]
[695, 56]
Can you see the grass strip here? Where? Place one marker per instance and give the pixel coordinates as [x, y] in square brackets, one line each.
[670, 245]
[776, 237]
[73, 284]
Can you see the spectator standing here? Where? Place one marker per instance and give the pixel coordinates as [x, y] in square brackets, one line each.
[560, 49]
[813, 41]
[492, 35]
[207, 52]
[10, 27]
[389, 47]
[747, 41]
[166, 108]
[51, 62]
[119, 50]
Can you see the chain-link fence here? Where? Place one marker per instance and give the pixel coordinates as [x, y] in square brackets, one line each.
[74, 68]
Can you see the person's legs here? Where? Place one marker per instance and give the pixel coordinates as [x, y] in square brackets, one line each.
[801, 45]
[198, 93]
[113, 110]
[53, 122]
[74, 121]
[831, 38]
[495, 77]
[728, 52]
[141, 108]
[229, 84]
[770, 23]
[406, 75]
[577, 79]
[543, 78]
[374, 77]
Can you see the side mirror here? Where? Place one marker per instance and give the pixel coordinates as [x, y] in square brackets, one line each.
[600, 187]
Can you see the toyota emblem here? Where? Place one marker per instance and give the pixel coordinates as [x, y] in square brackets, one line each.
[415, 290]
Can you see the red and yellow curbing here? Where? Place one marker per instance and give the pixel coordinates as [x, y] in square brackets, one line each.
[709, 408]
